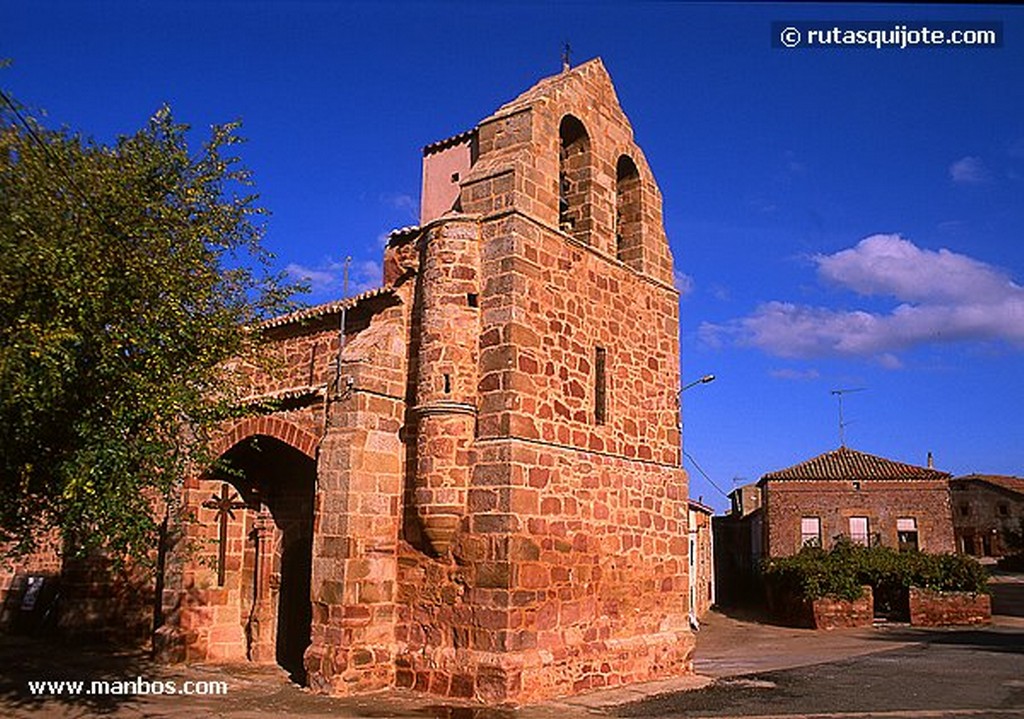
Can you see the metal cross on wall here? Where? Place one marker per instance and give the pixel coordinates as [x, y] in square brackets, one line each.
[224, 503]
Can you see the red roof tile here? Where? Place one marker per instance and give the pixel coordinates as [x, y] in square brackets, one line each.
[1013, 484]
[697, 506]
[846, 464]
[329, 308]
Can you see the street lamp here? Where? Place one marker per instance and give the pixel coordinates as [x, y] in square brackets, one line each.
[703, 380]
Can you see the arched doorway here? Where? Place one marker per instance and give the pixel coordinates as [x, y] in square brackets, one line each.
[277, 484]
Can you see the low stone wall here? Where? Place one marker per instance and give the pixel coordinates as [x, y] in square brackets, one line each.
[935, 609]
[827, 613]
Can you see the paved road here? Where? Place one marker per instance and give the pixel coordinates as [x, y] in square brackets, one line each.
[966, 673]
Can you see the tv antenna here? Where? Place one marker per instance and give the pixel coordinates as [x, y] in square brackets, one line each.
[842, 422]
[344, 316]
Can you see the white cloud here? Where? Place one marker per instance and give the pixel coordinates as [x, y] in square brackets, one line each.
[318, 280]
[795, 375]
[891, 265]
[793, 165]
[365, 275]
[683, 283]
[943, 297]
[721, 293]
[762, 205]
[969, 171]
[407, 204]
[326, 280]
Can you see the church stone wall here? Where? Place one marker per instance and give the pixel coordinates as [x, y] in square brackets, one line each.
[500, 511]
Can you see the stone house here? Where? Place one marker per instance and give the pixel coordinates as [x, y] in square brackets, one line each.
[868, 499]
[701, 554]
[474, 489]
[988, 514]
[738, 539]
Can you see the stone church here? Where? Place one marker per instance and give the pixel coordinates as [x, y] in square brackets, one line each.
[474, 489]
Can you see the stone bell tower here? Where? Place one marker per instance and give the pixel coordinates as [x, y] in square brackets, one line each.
[501, 510]
[548, 549]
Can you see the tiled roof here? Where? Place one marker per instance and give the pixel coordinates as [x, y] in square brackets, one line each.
[1013, 484]
[308, 313]
[402, 232]
[448, 142]
[699, 506]
[284, 394]
[846, 464]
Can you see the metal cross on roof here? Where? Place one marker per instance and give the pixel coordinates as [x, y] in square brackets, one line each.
[224, 504]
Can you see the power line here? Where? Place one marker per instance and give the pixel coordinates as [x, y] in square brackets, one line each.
[703, 473]
[106, 222]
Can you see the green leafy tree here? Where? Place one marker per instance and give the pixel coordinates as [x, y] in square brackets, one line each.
[130, 273]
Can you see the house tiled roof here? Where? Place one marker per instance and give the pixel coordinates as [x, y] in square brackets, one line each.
[448, 142]
[847, 464]
[1013, 484]
[309, 313]
[700, 507]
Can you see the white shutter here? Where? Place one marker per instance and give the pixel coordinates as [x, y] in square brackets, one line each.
[906, 524]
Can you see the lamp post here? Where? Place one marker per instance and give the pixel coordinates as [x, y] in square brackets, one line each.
[706, 379]
[692, 531]
[703, 380]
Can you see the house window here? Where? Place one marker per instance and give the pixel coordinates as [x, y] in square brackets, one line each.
[906, 534]
[810, 532]
[965, 509]
[574, 179]
[1004, 510]
[859, 530]
[600, 385]
[628, 215]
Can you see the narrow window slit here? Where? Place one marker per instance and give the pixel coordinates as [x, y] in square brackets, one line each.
[600, 385]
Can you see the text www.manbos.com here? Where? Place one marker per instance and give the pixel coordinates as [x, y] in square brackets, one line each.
[127, 687]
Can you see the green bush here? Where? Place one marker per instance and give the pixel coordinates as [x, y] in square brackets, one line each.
[842, 571]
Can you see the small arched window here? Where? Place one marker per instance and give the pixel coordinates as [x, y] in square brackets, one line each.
[628, 213]
[574, 178]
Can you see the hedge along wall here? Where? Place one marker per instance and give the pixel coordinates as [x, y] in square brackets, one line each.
[840, 574]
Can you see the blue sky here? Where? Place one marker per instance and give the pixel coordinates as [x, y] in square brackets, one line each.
[840, 218]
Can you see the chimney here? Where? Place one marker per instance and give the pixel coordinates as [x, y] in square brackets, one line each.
[931, 461]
